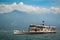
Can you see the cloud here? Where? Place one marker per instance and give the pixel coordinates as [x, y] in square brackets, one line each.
[6, 8]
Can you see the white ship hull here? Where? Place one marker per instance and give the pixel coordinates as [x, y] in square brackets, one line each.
[38, 32]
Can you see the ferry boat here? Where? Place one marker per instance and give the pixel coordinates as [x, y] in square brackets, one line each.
[37, 29]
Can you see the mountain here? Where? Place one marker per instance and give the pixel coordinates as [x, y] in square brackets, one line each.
[22, 20]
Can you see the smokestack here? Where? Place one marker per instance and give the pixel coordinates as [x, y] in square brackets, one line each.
[43, 23]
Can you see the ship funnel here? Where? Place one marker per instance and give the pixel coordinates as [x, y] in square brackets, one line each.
[43, 23]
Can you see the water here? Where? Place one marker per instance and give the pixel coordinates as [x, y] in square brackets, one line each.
[8, 35]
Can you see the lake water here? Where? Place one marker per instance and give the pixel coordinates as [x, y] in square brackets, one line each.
[8, 35]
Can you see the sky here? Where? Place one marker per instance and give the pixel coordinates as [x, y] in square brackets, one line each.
[36, 6]
[19, 14]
